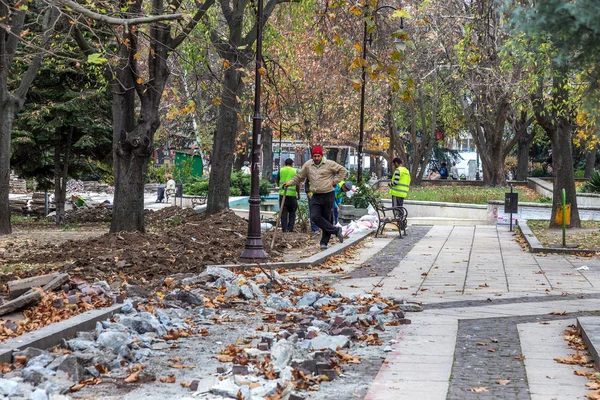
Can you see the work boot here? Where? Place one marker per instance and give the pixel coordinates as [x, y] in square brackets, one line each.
[323, 246]
[339, 235]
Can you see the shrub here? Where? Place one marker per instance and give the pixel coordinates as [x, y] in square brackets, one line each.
[198, 188]
[364, 195]
[593, 185]
[579, 173]
[240, 186]
[540, 173]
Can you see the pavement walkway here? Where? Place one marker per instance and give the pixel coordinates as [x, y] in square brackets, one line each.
[493, 319]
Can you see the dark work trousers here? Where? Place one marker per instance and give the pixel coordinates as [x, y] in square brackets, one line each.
[321, 212]
[397, 202]
[288, 213]
[313, 226]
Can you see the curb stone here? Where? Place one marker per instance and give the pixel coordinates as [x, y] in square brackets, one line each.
[536, 247]
[52, 335]
[316, 259]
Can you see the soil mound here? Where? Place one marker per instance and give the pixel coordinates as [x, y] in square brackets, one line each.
[149, 257]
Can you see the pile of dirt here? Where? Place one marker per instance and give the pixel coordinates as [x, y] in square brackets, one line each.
[149, 257]
[169, 217]
[86, 215]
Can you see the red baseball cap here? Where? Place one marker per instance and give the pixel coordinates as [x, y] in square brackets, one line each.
[317, 150]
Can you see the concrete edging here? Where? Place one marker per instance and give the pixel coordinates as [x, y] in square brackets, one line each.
[590, 333]
[52, 335]
[536, 247]
[316, 259]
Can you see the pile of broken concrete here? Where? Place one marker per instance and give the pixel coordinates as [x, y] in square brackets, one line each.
[310, 334]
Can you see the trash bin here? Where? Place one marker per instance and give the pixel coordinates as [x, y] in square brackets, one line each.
[160, 194]
[559, 214]
[179, 190]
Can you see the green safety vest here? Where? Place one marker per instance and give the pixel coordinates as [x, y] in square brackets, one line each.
[400, 182]
[285, 175]
[339, 193]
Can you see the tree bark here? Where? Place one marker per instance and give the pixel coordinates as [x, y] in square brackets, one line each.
[6, 119]
[237, 50]
[133, 139]
[523, 157]
[590, 162]
[224, 143]
[558, 122]
[521, 125]
[267, 153]
[12, 102]
[61, 173]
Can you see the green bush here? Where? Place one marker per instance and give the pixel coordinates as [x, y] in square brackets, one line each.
[579, 173]
[156, 174]
[197, 188]
[593, 185]
[540, 173]
[364, 195]
[240, 186]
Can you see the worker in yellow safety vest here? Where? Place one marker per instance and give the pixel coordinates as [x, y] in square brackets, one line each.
[400, 183]
[290, 206]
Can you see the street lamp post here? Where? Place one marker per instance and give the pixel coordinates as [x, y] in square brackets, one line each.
[361, 129]
[254, 246]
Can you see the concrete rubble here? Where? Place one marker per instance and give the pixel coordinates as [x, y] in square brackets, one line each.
[310, 334]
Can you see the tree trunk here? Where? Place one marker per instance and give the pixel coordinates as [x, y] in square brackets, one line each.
[333, 153]
[131, 151]
[224, 142]
[523, 157]
[564, 178]
[524, 141]
[555, 118]
[267, 152]
[343, 156]
[590, 162]
[61, 171]
[6, 119]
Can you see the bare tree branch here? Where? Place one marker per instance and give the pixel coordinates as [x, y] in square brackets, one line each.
[73, 6]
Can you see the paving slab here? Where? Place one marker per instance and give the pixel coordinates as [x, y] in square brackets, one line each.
[546, 378]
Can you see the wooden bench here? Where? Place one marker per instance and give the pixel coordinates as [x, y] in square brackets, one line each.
[390, 215]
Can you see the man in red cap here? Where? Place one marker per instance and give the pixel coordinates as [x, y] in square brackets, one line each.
[323, 176]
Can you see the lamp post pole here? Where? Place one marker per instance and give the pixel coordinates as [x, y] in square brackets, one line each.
[254, 246]
[361, 129]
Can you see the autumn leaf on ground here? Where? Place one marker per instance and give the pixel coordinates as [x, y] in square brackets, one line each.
[224, 358]
[133, 377]
[20, 360]
[135, 373]
[479, 389]
[77, 387]
[558, 313]
[572, 359]
[503, 381]
[593, 385]
[168, 379]
[492, 350]
[347, 358]
[101, 368]
[583, 372]
[175, 359]
[181, 366]
[481, 344]
[519, 358]
[594, 395]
